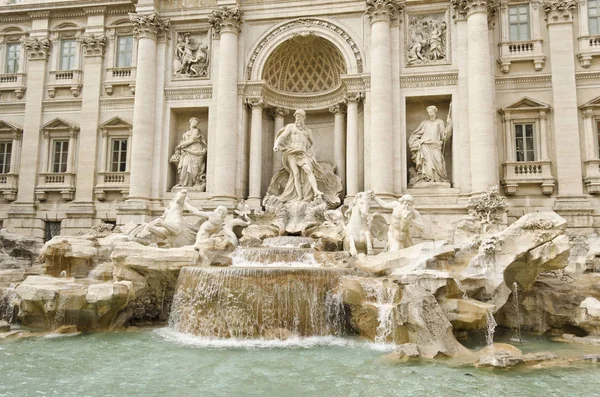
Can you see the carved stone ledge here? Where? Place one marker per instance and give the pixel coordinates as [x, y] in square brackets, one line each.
[93, 44]
[149, 25]
[37, 48]
[383, 10]
[559, 11]
[226, 20]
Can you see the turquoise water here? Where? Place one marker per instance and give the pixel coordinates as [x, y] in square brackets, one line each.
[163, 363]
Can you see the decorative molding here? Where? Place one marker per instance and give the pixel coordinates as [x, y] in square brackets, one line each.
[181, 94]
[306, 22]
[464, 8]
[429, 80]
[13, 106]
[93, 44]
[524, 79]
[338, 108]
[149, 25]
[226, 20]
[37, 48]
[186, 4]
[354, 97]
[559, 11]
[279, 111]
[255, 102]
[594, 76]
[61, 104]
[427, 38]
[383, 10]
[117, 103]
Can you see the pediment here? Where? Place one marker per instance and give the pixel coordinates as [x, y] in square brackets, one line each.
[591, 104]
[115, 123]
[526, 103]
[5, 126]
[59, 124]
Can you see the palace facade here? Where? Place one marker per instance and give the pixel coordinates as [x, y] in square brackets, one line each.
[96, 95]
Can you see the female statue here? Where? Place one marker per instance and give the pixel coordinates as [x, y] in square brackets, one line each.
[190, 157]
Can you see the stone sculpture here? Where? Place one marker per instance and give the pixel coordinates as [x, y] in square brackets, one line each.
[426, 39]
[427, 146]
[216, 232]
[403, 217]
[361, 228]
[190, 157]
[171, 226]
[191, 59]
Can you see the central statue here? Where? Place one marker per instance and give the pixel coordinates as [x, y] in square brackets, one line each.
[302, 178]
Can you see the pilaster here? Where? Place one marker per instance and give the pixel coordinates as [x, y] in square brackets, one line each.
[352, 145]
[339, 140]
[256, 139]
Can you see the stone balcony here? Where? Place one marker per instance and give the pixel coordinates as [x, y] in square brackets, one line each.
[63, 183]
[589, 47]
[8, 186]
[112, 182]
[518, 51]
[70, 79]
[119, 76]
[528, 173]
[13, 82]
[592, 176]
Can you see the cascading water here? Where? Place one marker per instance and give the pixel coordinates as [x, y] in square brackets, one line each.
[274, 257]
[7, 305]
[288, 242]
[490, 328]
[258, 302]
[383, 295]
[517, 338]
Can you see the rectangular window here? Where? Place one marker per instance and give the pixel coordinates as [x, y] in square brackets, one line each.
[5, 153]
[524, 142]
[118, 157]
[518, 22]
[52, 228]
[124, 51]
[67, 54]
[594, 16]
[60, 155]
[13, 54]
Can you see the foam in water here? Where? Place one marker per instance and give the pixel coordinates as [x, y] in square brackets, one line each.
[254, 303]
[7, 306]
[383, 296]
[288, 242]
[490, 328]
[274, 257]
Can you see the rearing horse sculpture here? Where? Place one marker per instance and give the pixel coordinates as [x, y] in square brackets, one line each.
[361, 228]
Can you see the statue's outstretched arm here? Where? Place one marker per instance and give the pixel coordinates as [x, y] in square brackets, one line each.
[417, 221]
[383, 204]
[281, 134]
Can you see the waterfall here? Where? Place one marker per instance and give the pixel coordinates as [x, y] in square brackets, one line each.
[517, 338]
[274, 256]
[7, 303]
[382, 294]
[258, 302]
[288, 242]
[490, 328]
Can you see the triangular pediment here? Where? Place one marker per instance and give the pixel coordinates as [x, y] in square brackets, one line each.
[115, 123]
[5, 126]
[59, 124]
[591, 104]
[526, 103]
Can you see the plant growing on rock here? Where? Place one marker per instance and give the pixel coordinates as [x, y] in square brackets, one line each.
[488, 208]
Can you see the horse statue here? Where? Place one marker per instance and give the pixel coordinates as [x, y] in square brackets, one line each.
[362, 227]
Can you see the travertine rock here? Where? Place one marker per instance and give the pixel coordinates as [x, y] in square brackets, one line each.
[589, 316]
[4, 326]
[17, 251]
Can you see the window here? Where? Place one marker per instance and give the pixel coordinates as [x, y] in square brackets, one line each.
[67, 54]
[124, 51]
[524, 142]
[5, 153]
[13, 53]
[518, 22]
[118, 155]
[60, 155]
[52, 228]
[594, 16]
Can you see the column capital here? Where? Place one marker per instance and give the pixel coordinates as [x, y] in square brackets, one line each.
[226, 20]
[255, 102]
[149, 25]
[559, 11]
[354, 96]
[93, 44]
[279, 111]
[37, 48]
[338, 108]
[464, 8]
[588, 113]
[383, 10]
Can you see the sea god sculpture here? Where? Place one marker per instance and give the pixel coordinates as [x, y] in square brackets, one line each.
[403, 217]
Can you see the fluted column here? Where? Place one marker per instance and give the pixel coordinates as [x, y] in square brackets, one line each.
[280, 114]
[564, 97]
[147, 28]
[461, 151]
[381, 13]
[352, 155]
[256, 139]
[226, 23]
[339, 140]
[481, 108]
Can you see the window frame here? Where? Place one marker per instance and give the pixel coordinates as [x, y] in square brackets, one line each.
[5, 156]
[17, 59]
[535, 149]
[64, 152]
[72, 57]
[121, 161]
[592, 18]
[118, 53]
[519, 23]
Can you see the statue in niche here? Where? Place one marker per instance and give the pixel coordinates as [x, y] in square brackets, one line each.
[427, 145]
[426, 39]
[190, 157]
[192, 58]
[403, 217]
[302, 178]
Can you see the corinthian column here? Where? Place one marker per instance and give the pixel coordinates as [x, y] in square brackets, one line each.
[256, 138]
[146, 29]
[481, 108]
[352, 155]
[381, 13]
[339, 140]
[226, 24]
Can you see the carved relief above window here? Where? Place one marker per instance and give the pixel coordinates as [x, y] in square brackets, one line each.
[591, 134]
[526, 132]
[191, 55]
[520, 40]
[427, 38]
[305, 64]
[12, 56]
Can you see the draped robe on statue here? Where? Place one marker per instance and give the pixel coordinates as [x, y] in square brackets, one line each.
[426, 146]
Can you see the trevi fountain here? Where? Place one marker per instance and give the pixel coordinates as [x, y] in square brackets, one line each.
[308, 295]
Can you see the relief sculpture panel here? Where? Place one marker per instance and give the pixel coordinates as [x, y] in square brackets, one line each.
[427, 39]
[191, 55]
